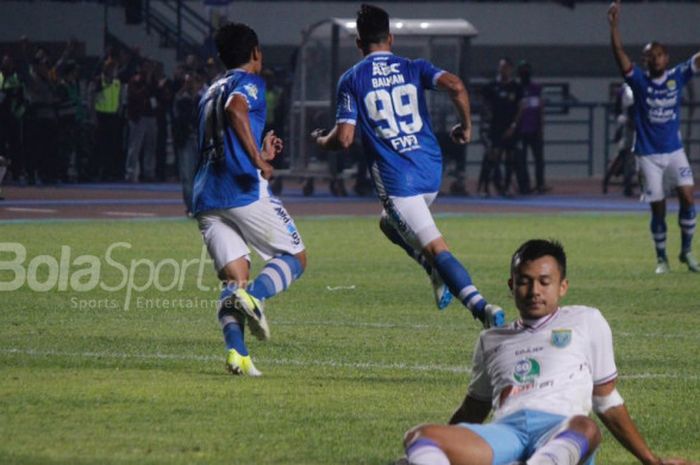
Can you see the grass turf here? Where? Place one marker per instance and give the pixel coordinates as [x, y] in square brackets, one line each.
[358, 352]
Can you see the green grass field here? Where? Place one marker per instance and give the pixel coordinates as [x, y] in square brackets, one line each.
[358, 352]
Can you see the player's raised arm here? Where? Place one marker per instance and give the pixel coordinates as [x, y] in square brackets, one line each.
[623, 61]
[462, 132]
[237, 111]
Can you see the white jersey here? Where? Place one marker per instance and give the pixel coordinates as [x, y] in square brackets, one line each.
[550, 366]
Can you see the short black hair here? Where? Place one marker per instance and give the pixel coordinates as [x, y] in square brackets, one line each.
[538, 248]
[235, 43]
[372, 24]
[653, 44]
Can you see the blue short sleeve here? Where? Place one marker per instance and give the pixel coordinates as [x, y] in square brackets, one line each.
[346, 106]
[429, 73]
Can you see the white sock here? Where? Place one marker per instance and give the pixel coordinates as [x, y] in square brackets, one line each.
[566, 448]
[426, 452]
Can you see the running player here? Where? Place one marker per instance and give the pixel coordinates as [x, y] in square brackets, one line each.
[231, 199]
[541, 376]
[662, 161]
[384, 95]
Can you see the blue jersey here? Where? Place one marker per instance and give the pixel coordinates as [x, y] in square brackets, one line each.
[657, 108]
[226, 177]
[384, 95]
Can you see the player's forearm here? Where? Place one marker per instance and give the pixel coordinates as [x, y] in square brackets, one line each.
[241, 127]
[334, 140]
[618, 421]
[621, 58]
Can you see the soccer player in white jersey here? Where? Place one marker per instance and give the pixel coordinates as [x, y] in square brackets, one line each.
[661, 158]
[384, 95]
[231, 199]
[541, 376]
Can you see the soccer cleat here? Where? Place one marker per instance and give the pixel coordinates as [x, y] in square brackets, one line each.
[662, 266]
[493, 316]
[442, 294]
[238, 364]
[252, 308]
[690, 260]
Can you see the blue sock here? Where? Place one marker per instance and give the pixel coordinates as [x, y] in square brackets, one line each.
[577, 438]
[459, 282]
[277, 275]
[658, 233]
[232, 328]
[425, 451]
[686, 220]
[233, 336]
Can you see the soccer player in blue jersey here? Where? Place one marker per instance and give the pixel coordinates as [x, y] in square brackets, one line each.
[231, 199]
[662, 161]
[384, 95]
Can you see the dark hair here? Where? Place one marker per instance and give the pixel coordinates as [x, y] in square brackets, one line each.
[538, 248]
[372, 24]
[235, 43]
[653, 44]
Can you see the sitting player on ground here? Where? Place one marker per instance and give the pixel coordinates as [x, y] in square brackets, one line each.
[541, 376]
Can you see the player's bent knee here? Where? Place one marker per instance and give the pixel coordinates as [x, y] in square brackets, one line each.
[587, 427]
[435, 247]
[419, 431]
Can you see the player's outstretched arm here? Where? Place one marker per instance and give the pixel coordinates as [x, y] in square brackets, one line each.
[623, 61]
[618, 421]
[340, 137]
[471, 411]
[237, 111]
[462, 132]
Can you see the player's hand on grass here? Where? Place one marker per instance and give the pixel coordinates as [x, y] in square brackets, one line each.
[676, 461]
[461, 134]
[272, 146]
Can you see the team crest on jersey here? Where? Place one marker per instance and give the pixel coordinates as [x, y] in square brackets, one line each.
[526, 370]
[252, 90]
[561, 338]
[671, 84]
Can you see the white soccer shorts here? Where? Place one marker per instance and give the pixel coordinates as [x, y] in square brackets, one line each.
[265, 225]
[411, 217]
[663, 172]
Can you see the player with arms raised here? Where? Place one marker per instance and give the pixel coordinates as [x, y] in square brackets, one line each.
[231, 199]
[383, 94]
[662, 161]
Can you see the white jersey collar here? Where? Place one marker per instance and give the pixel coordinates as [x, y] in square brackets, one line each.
[537, 323]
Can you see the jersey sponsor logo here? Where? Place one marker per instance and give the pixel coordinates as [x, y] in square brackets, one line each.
[388, 74]
[526, 370]
[405, 143]
[291, 228]
[252, 90]
[385, 69]
[685, 172]
[561, 338]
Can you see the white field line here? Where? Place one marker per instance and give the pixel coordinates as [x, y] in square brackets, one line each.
[31, 210]
[130, 214]
[293, 362]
